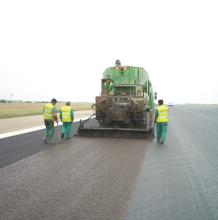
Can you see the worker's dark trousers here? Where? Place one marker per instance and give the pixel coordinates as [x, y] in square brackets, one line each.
[161, 128]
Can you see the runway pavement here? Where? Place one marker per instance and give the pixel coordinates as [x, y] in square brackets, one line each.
[105, 178]
[18, 147]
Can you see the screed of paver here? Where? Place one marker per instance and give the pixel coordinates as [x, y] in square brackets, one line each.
[85, 178]
[19, 123]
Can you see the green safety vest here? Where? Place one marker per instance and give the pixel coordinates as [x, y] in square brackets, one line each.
[47, 111]
[162, 113]
[66, 113]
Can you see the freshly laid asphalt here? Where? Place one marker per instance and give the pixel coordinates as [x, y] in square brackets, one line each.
[107, 178]
[18, 147]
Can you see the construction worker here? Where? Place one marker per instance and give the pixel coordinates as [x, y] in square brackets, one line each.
[109, 87]
[67, 117]
[50, 115]
[161, 120]
[117, 63]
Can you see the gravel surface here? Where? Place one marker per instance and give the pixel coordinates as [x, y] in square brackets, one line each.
[82, 179]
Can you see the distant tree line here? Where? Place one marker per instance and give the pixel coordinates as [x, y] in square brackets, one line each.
[20, 101]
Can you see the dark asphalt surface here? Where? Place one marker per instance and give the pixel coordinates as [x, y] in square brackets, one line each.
[18, 147]
[105, 178]
[180, 179]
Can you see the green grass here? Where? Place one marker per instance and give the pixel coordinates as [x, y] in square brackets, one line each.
[11, 110]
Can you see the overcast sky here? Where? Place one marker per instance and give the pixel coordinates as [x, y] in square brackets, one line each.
[61, 48]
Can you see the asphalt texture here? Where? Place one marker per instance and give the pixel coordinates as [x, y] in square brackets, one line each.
[18, 147]
[108, 178]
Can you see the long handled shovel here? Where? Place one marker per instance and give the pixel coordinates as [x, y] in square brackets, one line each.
[58, 133]
[154, 130]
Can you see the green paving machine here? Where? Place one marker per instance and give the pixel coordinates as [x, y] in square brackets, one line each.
[125, 107]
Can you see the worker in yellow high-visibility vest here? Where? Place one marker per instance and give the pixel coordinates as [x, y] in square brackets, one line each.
[161, 120]
[50, 115]
[67, 117]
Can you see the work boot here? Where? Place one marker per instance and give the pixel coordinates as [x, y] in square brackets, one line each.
[162, 142]
[45, 141]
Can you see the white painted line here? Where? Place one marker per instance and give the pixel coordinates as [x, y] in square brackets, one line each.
[27, 130]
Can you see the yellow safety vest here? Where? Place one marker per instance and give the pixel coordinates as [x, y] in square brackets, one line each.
[47, 111]
[66, 113]
[162, 113]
